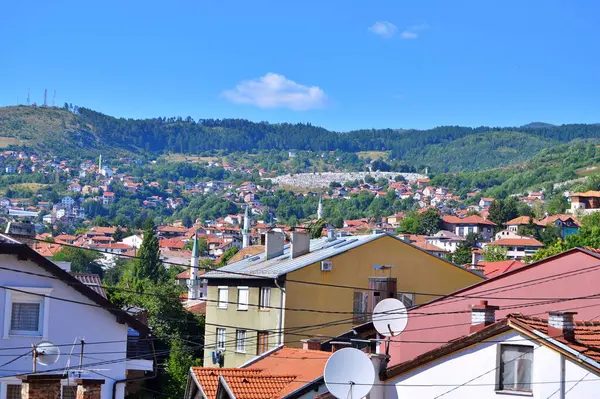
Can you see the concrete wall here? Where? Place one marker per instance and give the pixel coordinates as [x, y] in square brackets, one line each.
[479, 363]
[416, 271]
[65, 324]
[251, 320]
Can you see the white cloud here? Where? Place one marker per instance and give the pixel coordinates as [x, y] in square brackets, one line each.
[384, 29]
[276, 91]
[408, 35]
[411, 33]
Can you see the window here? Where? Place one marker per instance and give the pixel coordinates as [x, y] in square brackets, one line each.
[240, 341]
[13, 391]
[25, 318]
[359, 307]
[26, 313]
[263, 342]
[223, 297]
[242, 298]
[264, 301]
[221, 338]
[461, 231]
[407, 299]
[515, 368]
[69, 392]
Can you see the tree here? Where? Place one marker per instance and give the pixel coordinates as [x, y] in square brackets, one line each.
[228, 255]
[409, 224]
[557, 205]
[118, 235]
[316, 229]
[147, 265]
[495, 213]
[472, 239]
[430, 221]
[82, 261]
[462, 255]
[530, 229]
[509, 210]
[494, 253]
[202, 246]
[549, 235]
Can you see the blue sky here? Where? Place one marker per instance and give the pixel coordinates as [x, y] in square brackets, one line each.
[339, 64]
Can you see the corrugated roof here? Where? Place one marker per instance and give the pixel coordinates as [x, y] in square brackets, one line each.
[320, 249]
[92, 281]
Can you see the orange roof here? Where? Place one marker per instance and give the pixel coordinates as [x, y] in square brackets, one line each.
[109, 194]
[590, 193]
[186, 274]
[199, 308]
[246, 252]
[306, 364]
[586, 339]
[522, 242]
[473, 219]
[171, 243]
[258, 386]
[428, 247]
[519, 221]
[493, 269]
[208, 377]
[552, 219]
[46, 249]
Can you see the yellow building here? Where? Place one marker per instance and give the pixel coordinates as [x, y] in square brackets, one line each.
[317, 287]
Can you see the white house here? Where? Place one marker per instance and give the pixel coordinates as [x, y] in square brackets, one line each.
[40, 301]
[134, 241]
[445, 239]
[522, 356]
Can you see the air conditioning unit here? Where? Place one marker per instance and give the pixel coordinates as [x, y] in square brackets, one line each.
[326, 266]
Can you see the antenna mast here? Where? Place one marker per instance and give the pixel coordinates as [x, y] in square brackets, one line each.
[45, 97]
[28, 94]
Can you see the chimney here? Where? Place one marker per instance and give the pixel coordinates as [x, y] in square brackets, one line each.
[300, 244]
[337, 345]
[482, 315]
[561, 324]
[380, 288]
[273, 244]
[311, 344]
[331, 234]
[474, 258]
[41, 386]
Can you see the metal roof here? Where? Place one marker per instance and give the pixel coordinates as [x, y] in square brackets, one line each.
[320, 249]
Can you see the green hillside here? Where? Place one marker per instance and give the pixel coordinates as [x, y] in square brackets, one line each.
[78, 131]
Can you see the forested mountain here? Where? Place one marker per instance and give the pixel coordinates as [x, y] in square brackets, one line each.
[445, 148]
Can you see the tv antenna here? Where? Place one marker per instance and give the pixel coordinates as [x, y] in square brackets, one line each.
[44, 353]
[349, 374]
[389, 319]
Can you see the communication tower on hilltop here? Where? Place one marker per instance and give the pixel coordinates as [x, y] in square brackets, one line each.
[45, 97]
[28, 95]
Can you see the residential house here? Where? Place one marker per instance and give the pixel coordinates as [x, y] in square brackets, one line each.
[134, 241]
[470, 224]
[280, 373]
[485, 202]
[572, 274]
[75, 187]
[67, 202]
[537, 357]
[432, 249]
[252, 295]
[10, 169]
[520, 221]
[446, 240]
[30, 285]
[566, 224]
[519, 248]
[108, 197]
[586, 202]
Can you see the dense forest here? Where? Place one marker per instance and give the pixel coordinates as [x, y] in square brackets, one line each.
[442, 149]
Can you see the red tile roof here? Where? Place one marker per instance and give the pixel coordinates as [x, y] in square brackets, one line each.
[590, 193]
[521, 242]
[473, 219]
[493, 269]
[258, 386]
[552, 219]
[208, 377]
[519, 221]
[429, 247]
[306, 364]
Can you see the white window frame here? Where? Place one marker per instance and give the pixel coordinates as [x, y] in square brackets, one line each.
[240, 340]
[222, 305]
[5, 384]
[30, 295]
[221, 331]
[500, 384]
[243, 305]
[264, 298]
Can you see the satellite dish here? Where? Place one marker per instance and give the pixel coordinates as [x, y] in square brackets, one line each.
[390, 317]
[46, 353]
[349, 374]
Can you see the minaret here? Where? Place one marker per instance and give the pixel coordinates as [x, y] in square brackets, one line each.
[246, 230]
[100, 163]
[193, 281]
[320, 209]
